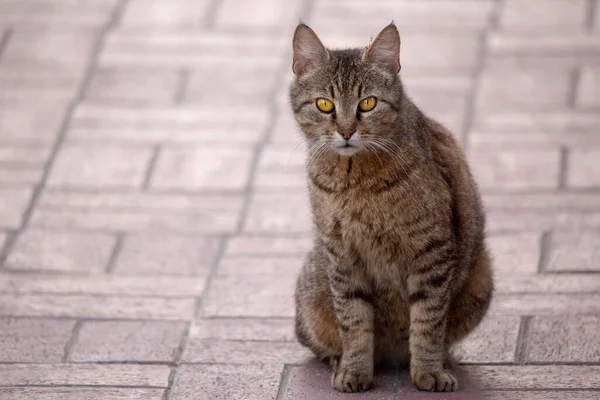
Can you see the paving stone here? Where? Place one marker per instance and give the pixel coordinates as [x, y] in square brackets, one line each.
[515, 254]
[264, 246]
[279, 213]
[135, 285]
[43, 250]
[13, 203]
[574, 251]
[555, 121]
[227, 382]
[20, 176]
[545, 304]
[133, 87]
[583, 170]
[87, 306]
[127, 341]
[31, 120]
[99, 166]
[525, 220]
[548, 283]
[516, 169]
[79, 393]
[575, 377]
[589, 87]
[164, 13]
[313, 381]
[523, 88]
[281, 167]
[494, 341]
[202, 168]
[532, 14]
[167, 255]
[274, 329]
[253, 288]
[25, 155]
[564, 45]
[466, 14]
[285, 129]
[543, 201]
[33, 340]
[84, 374]
[263, 14]
[245, 352]
[570, 339]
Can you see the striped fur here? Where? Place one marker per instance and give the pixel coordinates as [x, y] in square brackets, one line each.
[399, 270]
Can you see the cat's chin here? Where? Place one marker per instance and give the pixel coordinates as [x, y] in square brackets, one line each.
[347, 151]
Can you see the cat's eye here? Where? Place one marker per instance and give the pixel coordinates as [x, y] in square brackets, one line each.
[325, 105]
[367, 104]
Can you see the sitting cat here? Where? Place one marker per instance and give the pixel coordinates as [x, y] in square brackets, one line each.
[399, 270]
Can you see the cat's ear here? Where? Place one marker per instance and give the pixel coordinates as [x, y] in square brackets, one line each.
[385, 50]
[308, 50]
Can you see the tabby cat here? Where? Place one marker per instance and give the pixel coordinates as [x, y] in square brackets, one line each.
[399, 270]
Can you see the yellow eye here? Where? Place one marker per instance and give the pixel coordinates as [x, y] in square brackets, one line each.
[325, 105]
[367, 104]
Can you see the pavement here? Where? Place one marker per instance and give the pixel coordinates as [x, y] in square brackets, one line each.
[153, 208]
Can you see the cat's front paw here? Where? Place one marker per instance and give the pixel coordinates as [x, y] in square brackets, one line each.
[351, 380]
[434, 381]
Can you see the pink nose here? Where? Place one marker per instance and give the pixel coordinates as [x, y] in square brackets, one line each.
[347, 134]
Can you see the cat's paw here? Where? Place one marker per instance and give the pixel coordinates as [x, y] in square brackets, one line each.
[434, 381]
[351, 380]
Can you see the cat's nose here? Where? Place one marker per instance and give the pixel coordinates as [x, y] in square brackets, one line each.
[347, 133]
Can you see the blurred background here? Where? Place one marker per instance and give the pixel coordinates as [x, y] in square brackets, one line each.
[153, 208]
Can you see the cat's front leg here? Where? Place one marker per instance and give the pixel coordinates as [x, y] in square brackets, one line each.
[429, 299]
[354, 315]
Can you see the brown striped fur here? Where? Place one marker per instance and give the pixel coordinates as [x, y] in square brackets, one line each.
[399, 270]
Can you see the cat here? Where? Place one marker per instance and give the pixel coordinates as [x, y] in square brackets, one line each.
[399, 270]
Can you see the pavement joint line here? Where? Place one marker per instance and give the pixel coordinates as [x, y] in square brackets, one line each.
[182, 85]
[114, 255]
[563, 168]
[283, 382]
[545, 244]
[4, 39]
[574, 84]
[522, 346]
[177, 360]
[151, 167]
[210, 15]
[591, 22]
[72, 341]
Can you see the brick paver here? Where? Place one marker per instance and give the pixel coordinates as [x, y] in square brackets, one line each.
[153, 210]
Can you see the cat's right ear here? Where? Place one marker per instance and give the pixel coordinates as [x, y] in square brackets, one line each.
[309, 52]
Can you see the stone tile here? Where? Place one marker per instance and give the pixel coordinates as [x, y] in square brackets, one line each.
[281, 167]
[79, 393]
[523, 89]
[532, 169]
[515, 254]
[264, 246]
[253, 288]
[566, 339]
[60, 251]
[202, 168]
[494, 341]
[583, 170]
[263, 14]
[13, 203]
[545, 304]
[136, 221]
[227, 382]
[274, 329]
[25, 155]
[279, 213]
[87, 306]
[167, 255]
[127, 341]
[564, 46]
[20, 176]
[307, 382]
[31, 120]
[33, 340]
[99, 166]
[115, 285]
[164, 13]
[532, 14]
[245, 352]
[547, 377]
[285, 129]
[84, 374]
[525, 220]
[220, 83]
[548, 283]
[574, 251]
[466, 14]
[537, 121]
[589, 88]
[132, 87]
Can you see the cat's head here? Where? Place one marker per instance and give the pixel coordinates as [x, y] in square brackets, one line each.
[346, 100]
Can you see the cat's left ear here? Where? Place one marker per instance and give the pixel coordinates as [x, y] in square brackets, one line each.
[385, 50]
[309, 52]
